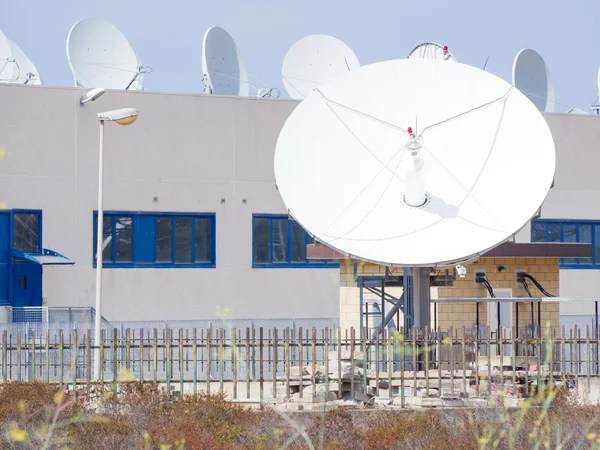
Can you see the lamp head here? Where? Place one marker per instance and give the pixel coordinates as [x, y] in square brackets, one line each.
[92, 95]
[123, 116]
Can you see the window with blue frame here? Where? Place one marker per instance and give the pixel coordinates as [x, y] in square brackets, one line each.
[27, 230]
[543, 230]
[159, 240]
[280, 242]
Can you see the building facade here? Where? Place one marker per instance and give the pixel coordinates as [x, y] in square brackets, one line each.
[194, 227]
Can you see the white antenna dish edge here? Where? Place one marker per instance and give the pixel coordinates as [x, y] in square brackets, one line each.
[531, 76]
[344, 158]
[27, 72]
[313, 61]
[222, 64]
[8, 68]
[100, 55]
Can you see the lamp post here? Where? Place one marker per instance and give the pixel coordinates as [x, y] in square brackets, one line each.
[124, 116]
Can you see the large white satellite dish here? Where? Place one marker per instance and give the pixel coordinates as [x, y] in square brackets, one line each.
[8, 68]
[313, 61]
[26, 71]
[531, 76]
[101, 56]
[222, 64]
[350, 161]
[431, 50]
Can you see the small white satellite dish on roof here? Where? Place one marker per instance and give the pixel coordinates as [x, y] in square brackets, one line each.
[8, 67]
[412, 171]
[431, 50]
[222, 64]
[101, 56]
[313, 61]
[531, 76]
[26, 71]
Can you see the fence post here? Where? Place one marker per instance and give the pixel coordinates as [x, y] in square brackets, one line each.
[88, 355]
[195, 360]
[141, 351]
[4, 356]
[275, 344]
[61, 361]
[74, 350]
[261, 379]
[19, 355]
[208, 354]
[233, 342]
[32, 350]
[47, 355]
[314, 362]
[101, 353]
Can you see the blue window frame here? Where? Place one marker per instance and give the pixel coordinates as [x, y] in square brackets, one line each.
[157, 240]
[554, 230]
[278, 242]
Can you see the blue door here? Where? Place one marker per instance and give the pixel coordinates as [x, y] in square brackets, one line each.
[27, 284]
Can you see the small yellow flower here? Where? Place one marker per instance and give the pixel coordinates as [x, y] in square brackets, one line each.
[278, 432]
[224, 313]
[58, 397]
[483, 441]
[125, 374]
[16, 434]
[591, 436]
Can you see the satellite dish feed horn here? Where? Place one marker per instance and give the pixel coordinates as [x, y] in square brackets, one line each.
[414, 173]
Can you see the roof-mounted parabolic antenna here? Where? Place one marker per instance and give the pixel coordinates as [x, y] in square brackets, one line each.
[100, 56]
[8, 68]
[26, 71]
[222, 64]
[531, 76]
[313, 61]
[431, 50]
[15, 66]
[415, 170]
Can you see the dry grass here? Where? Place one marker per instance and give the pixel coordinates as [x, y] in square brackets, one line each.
[37, 415]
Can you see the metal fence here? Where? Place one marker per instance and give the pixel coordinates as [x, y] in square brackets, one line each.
[205, 358]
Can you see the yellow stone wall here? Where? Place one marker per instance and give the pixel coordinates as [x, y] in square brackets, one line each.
[545, 270]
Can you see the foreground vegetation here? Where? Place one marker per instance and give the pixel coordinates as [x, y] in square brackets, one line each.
[38, 415]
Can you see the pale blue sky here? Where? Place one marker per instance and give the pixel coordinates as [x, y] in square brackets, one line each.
[168, 34]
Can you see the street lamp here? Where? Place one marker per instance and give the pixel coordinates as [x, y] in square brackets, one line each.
[123, 116]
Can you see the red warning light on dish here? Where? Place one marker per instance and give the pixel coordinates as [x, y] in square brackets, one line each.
[445, 49]
[410, 130]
